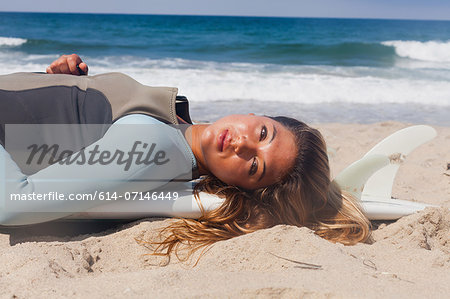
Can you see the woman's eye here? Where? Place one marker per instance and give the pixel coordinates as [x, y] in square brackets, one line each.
[263, 133]
[254, 167]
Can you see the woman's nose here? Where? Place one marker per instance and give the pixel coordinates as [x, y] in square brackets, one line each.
[244, 147]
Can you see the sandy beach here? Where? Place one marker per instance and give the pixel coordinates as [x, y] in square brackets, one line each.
[409, 258]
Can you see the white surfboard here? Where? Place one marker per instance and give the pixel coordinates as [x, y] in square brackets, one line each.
[370, 179]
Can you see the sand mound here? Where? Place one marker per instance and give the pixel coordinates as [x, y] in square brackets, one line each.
[429, 229]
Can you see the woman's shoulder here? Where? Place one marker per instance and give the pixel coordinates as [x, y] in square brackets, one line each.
[138, 119]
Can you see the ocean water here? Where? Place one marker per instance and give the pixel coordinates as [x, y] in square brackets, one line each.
[319, 70]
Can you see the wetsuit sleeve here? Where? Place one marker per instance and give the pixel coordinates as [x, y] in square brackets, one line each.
[169, 155]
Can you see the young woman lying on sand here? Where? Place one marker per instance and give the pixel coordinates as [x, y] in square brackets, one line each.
[271, 170]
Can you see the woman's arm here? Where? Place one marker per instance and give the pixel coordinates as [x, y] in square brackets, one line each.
[68, 64]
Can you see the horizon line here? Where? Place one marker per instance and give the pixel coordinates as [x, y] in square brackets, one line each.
[219, 15]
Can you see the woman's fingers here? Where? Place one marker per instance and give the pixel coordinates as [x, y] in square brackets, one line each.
[64, 68]
[68, 64]
[53, 68]
[83, 66]
[72, 62]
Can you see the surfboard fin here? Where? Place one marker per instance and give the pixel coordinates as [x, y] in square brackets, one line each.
[353, 178]
[371, 178]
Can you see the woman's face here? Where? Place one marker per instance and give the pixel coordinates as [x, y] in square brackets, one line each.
[247, 150]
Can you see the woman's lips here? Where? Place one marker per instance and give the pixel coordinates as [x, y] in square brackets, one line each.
[221, 142]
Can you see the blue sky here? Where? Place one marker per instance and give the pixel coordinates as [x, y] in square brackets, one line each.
[398, 9]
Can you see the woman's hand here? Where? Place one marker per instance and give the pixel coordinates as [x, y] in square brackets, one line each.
[68, 64]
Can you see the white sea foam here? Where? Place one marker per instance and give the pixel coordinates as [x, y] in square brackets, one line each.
[212, 81]
[435, 51]
[11, 41]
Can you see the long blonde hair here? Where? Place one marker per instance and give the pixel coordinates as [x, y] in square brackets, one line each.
[304, 197]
